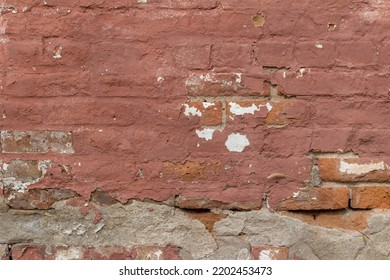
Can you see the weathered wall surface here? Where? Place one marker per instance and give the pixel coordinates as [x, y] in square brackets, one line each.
[163, 129]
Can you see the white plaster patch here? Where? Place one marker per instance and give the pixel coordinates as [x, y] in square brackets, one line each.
[296, 194]
[142, 1]
[190, 110]
[318, 45]
[237, 142]
[359, 169]
[206, 133]
[160, 79]
[269, 106]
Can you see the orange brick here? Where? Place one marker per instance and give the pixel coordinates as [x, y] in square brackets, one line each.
[324, 198]
[209, 113]
[353, 170]
[269, 253]
[370, 197]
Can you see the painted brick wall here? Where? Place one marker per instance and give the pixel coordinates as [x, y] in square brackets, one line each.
[177, 129]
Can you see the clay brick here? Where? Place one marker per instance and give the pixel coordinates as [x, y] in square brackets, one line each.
[45, 82]
[4, 252]
[267, 252]
[276, 54]
[57, 252]
[331, 140]
[287, 142]
[209, 113]
[216, 84]
[324, 198]
[353, 170]
[36, 142]
[23, 53]
[353, 53]
[369, 197]
[191, 170]
[343, 219]
[236, 110]
[285, 112]
[320, 82]
[207, 218]
[315, 54]
[36, 198]
[23, 170]
[192, 57]
[231, 55]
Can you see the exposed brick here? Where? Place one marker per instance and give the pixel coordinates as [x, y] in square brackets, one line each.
[369, 197]
[267, 252]
[209, 113]
[353, 170]
[36, 198]
[41, 252]
[324, 198]
[36, 142]
[285, 112]
[207, 218]
[343, 219]
[191, 170]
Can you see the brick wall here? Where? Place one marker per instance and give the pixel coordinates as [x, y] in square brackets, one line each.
[163, 129]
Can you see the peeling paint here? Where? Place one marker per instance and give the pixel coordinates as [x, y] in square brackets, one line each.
[208, 104]
[359, 169]
[206, 133]
[237, 110]
[190, 110]
[237, 142]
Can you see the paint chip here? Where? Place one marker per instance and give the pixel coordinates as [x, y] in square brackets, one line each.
[360, 169]
[190, 110]
[237, 142]
[206, 133]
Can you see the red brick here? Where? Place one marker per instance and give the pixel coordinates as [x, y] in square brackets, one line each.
[44, 82]
[356, 53]
[24, 53]
[36, 142]
[331, 140]
[321, 82]
[231, 55]
[369, 197]
[276, 54]
[268, 252]
[215, 84]
[189, 170]
[289, 112]
[287, 142]
[192, 57]
[36, 198]
[208, 113]
[353, 170]
[335, 219]
[324, 198]
[315, 54]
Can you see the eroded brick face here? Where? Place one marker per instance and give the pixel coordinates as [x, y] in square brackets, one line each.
[166, 129]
